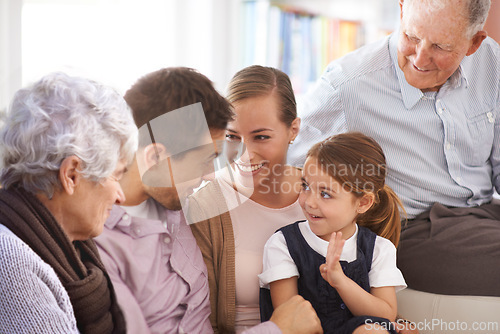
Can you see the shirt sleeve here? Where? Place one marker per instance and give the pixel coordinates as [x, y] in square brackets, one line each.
[322, 115]
[277, 262]
[134, 318]
[267, 327]
[384, 271]
[33, 298]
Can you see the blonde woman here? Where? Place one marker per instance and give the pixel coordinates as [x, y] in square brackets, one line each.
[232, 242]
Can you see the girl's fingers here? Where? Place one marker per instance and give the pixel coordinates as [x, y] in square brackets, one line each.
[334, 250]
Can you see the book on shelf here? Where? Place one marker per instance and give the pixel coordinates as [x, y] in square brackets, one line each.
[301, 44]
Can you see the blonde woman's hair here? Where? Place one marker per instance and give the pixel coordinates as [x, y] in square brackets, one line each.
[256, 80]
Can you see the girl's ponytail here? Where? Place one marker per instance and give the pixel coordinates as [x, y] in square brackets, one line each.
[384, 217]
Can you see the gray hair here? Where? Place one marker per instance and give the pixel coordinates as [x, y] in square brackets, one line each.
[60, 116]
[477, 12]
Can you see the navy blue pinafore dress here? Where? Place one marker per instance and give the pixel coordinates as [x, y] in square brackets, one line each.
[334, 315]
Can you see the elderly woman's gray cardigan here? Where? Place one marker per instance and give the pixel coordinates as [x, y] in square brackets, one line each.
[32, 298]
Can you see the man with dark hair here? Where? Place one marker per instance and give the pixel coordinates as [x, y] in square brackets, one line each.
[174, 88]
[148, 248]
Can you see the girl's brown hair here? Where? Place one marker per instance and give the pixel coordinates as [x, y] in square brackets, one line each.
[256, 80]
[357, 162]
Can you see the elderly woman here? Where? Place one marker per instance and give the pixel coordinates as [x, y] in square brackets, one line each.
[65, 144]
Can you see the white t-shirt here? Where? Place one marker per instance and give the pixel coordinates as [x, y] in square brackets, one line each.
[278, 264]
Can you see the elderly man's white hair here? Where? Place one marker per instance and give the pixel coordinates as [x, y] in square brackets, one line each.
[477, 11]
[60, 116]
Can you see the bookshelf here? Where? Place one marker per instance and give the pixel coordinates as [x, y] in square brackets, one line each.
[301, 37]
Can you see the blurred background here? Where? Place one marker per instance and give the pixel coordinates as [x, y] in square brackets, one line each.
[117, 41]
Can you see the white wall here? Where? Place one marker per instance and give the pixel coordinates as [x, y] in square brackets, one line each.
[115, 41]
[207, 37]
[10, 50]
[112, 41]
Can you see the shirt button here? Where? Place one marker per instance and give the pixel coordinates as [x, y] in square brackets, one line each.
[125, 217]
[491, 119]
[166, 240]
[459, 179]
[448, 146]
[440, 111]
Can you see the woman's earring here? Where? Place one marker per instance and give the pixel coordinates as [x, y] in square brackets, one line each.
[291, 142]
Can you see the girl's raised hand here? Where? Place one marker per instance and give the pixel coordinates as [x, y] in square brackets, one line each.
[331, 271]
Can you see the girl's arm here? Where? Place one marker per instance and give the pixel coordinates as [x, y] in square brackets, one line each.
[282, 290]
[380, 302]
[279, 270]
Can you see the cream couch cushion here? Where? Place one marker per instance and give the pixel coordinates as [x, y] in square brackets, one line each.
[443, 314]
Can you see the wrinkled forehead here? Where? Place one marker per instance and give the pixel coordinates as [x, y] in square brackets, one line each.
[441, 23]
[436, 11]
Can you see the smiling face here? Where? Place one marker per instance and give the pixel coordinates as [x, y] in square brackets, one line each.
[257, 124]
[432, 43]
[326, 204]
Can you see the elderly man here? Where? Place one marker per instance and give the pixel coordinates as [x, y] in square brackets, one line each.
[429, 94]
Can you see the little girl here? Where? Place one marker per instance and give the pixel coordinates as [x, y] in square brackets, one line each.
[353, 221]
